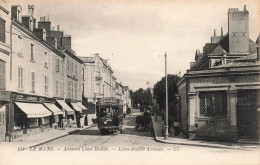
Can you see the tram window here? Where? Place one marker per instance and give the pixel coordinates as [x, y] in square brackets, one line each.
[102, 112]
[109, 114]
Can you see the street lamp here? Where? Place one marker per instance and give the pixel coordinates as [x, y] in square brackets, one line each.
[166, 105]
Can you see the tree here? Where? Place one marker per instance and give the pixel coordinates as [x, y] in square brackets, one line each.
[142, 97]
[159, 92]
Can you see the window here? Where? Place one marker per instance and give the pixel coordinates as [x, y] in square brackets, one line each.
[72, 90]
[33, 81]
[33, 122]
[213, 103]
[57, 65]
[2, 30]
[57, 88]
[20, 77]
[46, 59]
[76, 91]
[61, 66]
[32, 55]
[71, 67]
[76, 70]
[68, 65]
[61, 88]
[46, 83]
[69, 89]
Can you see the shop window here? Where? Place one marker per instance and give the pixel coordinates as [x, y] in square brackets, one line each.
[33, 122]
[2, 30]
[45, 120]
[213, 103]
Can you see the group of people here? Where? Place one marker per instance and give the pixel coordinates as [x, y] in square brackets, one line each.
[81, 121]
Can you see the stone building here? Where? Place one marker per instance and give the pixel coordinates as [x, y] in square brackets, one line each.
[219, 94]
[98, 77]
[4, 65]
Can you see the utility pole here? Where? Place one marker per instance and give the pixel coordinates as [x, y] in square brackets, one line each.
[166, 105]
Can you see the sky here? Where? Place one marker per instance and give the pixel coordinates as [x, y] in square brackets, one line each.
[134, 35]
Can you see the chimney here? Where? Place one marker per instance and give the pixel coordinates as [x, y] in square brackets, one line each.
[45, 24]
[66, 42]
[214, 32]
[30, 10]
[58, 27]
[221, 31]
[244, 7]
[238, 32]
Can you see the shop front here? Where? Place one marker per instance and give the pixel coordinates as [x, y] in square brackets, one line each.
[78, 112]
[27, 115]
[68, 112]
[221, 103]
[57, 114]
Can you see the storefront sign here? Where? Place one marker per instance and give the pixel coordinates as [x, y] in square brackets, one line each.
[229, 79]
[30, 98]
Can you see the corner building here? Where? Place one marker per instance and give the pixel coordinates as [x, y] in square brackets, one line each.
[219, 94]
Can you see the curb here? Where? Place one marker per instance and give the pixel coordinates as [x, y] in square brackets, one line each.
[57, 137]
[190, 144]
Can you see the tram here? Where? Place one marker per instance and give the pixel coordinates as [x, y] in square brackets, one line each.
[109, 113]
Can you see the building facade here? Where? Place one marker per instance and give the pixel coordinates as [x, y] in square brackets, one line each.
[219, 95]
[43, 74]
[4, 65]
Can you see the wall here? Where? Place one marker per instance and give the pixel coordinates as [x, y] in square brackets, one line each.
[21, 56]
[73, 76]
[58, 76]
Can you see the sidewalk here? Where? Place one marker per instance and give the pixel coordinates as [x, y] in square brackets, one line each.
[42, 138]
[182, 140]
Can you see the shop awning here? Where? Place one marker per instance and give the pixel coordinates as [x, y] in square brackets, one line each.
[82, 106]
[52, 107]
[76, 107]
[66, 107]
[33, 110]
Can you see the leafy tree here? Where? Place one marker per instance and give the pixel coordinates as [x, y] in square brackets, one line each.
[142, 97]
[160, 96]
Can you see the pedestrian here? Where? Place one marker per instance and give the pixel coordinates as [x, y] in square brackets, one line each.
[64, 123]
[70, 122]
[81, 122]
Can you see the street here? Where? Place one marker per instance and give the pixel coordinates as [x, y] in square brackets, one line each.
[138, 147]
[129, 140]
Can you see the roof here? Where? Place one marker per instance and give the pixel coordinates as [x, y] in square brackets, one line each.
[250, 60]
